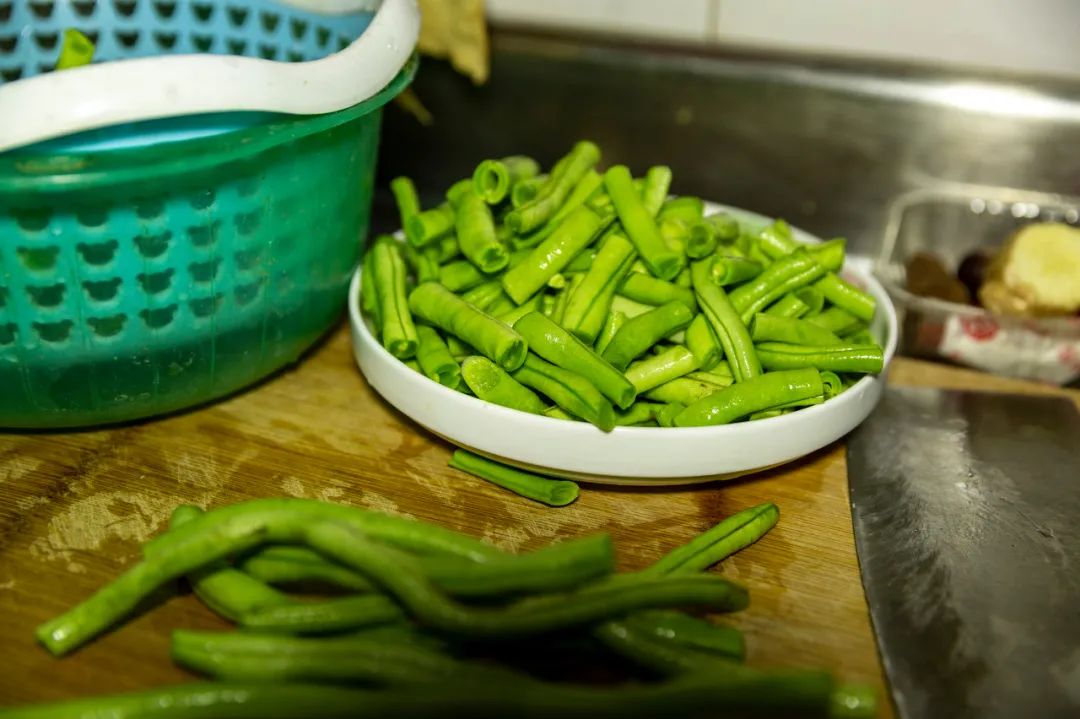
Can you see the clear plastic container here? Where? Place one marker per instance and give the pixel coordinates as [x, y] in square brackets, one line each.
[951, 222]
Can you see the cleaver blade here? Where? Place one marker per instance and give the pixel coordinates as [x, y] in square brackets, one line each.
[966, 509]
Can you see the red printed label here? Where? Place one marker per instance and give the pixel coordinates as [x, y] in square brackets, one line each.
[980, 329]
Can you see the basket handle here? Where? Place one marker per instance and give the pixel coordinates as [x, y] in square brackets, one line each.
[95, 96]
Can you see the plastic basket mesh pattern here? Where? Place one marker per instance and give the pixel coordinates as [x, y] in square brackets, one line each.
[31, 30]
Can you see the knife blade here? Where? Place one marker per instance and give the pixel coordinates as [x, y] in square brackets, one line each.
[966, 509]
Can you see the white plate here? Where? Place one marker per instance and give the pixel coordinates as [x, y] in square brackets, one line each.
[627, 455]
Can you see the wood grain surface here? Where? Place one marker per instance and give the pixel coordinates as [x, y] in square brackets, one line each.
[74, 507]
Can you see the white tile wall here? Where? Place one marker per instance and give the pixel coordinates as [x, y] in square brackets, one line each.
[1024, 35]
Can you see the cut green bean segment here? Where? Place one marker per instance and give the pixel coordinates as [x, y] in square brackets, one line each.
[476, 234]
[666, 416]
[460, 276]
[614, 322]
[483, 296]
[812, 298]
[718, 543]
[405, 197]
[369, 300]
[847, 296]
[648, 290]
[702, 342]
[861, 336]
[589, 306]
[832, 384]
[559, 312]
[660, 368]
[491, 383]
[639, 225]
[725, 227]
[426, 227]
[837, 320]
[729, 270]
[435, 358]
[556, 345]
[398, 333]
[493, 179]
[675, 233]
[772, 328]
[531, 215]
[701, 241]
[435, 304]
[776, 240]
[685, 208]
[551, 256]
[788, 306]
[76, 50]
[655, 189]
[458, 191]
[558, 413]
[423, 263]
[640, 333]
[637, 413]
[510, 316]
[524, 191]
[552, 492]
[687, 389]
[865, 359]
[569, 390]
[582, 262]
[725, 322]
[754, 394]
[789, 273]
[830, 254]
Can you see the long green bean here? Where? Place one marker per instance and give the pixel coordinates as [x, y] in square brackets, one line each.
[639, 224]
[552, 492]
[324, 616]
[435, 304]
[751, 395]
[725, 322]
[569, 390]
[491, 383]
[537, 615]
[689, 631]
[866, 359]
[556, 345]
[285, 568]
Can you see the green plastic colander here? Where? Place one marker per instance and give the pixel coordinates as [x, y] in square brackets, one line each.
[140, 281]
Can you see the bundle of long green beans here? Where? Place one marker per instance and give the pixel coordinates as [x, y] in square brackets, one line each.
[425, 621]
[597, 297]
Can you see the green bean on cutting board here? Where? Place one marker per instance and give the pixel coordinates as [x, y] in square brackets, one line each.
[552, 492]
[608, 268]
[415, 624]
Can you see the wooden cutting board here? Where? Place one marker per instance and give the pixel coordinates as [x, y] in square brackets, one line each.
[74, 507]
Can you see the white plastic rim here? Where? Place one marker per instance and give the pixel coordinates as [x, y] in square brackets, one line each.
[626, 455]
[95, 96]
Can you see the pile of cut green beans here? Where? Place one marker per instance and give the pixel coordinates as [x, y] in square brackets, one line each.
[600, 297]
[347, 612]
